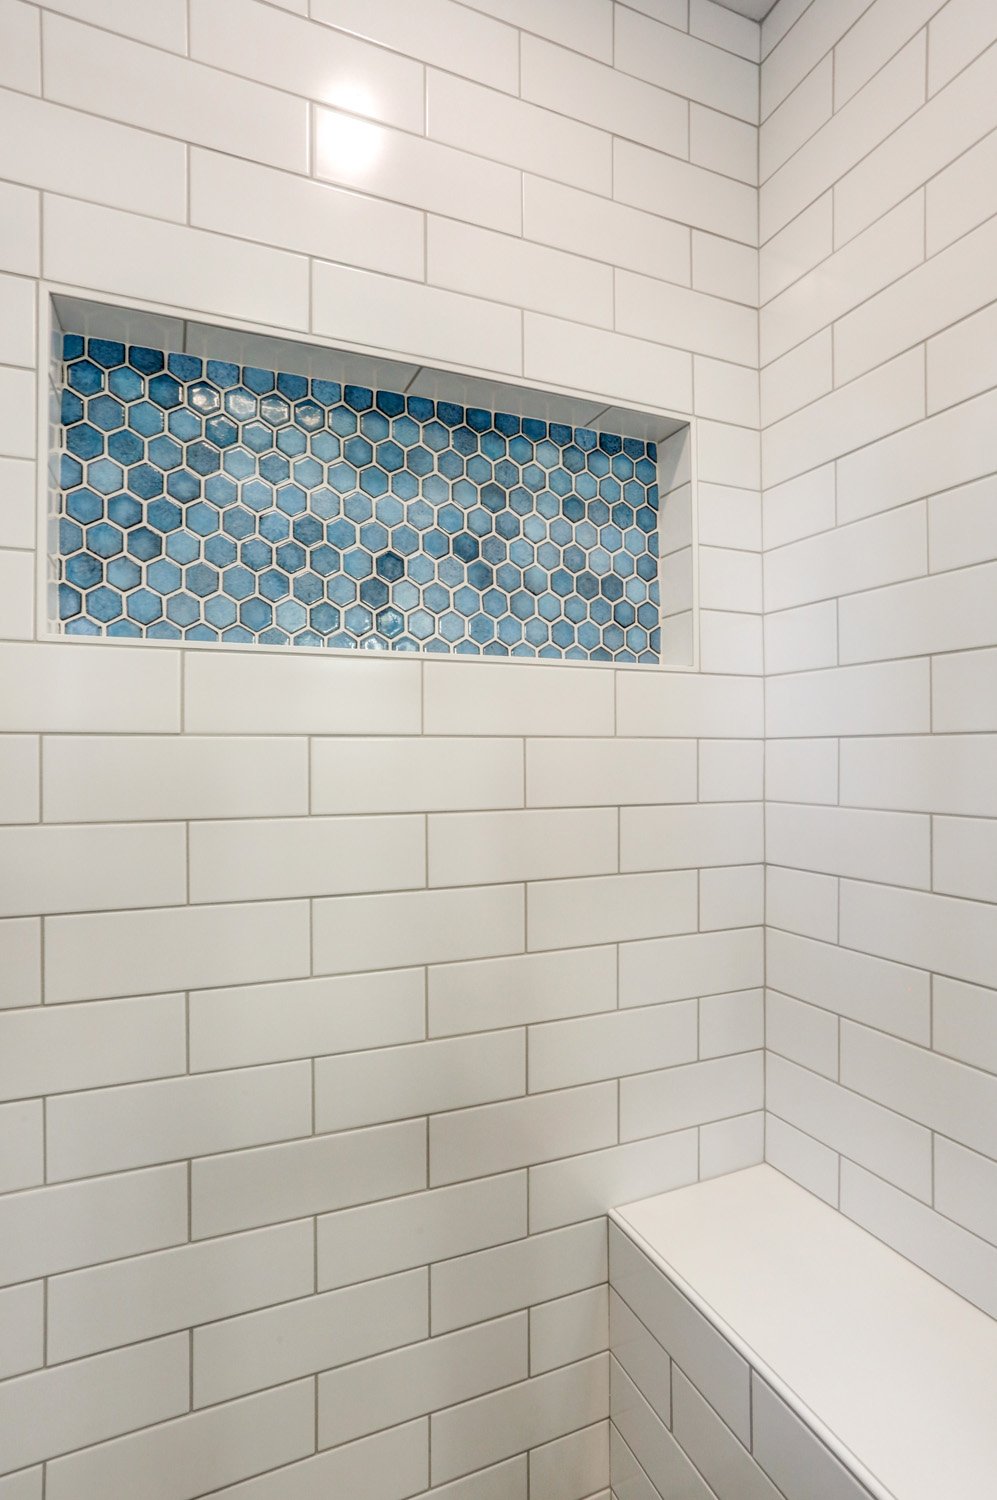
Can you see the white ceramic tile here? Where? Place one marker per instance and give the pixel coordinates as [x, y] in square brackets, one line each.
[965, 1023]
[389, 931]
[529, 1414]
[801, 1158]
[731, 897]
[802, 1033]
[800, 507]
[792, 1453]
[651, 1452]
[273, 1183]
[692, 195]
[602, 96]
[580, 1187]
[178, 1459]
[657, 704]
[589, 28]
[801, 902]
[309, 217]
[862, 1130]
[472, 1288]
[962, 195]
[797, 378]
[390, 1464]
[687, 319]
[103, 74]
[731, 1145]
[881, 550]
[17, 418]
[723, 144]
[722, 267]
[641, 1356]
[611, 908]
[962, 526]
[243, 1354]
[728, 454]
[891, 698]
[730, 770]
[450, 35]
[731, 1023]
[409, 1382]
[434, 1225]
[251, 693]
[26, 1485]
[801, 640]
[965, 1184]
[391, 1083]
[853, 984]
[481, 848]
[17, 308]
[496, 1137]
[255, 41]
[19, 778]
[146, 1295]
[55, 1411]
[795, 250]
[610, 364]
[801, 770]
[274, 1022]
[721, 1459]
[960, 361]
[561, 1333]
[123, 953]
[962, 691]
[565, 1053]
[610, 771]
[20, 962]
[730, 517]
[139, 866]
[686, 65]
[22, 47]
[17, 497]
[585, 224]
[964, 857]
[801, 45]
[730, 579]
[48, 1051]
[684, 836]
[506, 268]
[690, 1095]
[946, 612]
[797, 118]
[22, 1163]
[22, 1319]
[868, 845]
[515, 991]
[54, 1229]
[142, 257]
[724, 28]
[945, 774]
[959, 33]
[680, 968]
[164, 26]
[415, 775]
[472, 698]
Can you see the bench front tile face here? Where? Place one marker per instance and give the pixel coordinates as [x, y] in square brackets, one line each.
[690, 1419]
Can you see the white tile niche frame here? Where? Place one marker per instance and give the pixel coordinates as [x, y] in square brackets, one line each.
[64, 309]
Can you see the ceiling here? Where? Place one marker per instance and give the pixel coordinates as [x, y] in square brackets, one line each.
[756, 10]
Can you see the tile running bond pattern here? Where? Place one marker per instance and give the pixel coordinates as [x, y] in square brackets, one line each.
[206, 501]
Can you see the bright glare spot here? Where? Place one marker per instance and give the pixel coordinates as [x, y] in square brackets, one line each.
[348, 147]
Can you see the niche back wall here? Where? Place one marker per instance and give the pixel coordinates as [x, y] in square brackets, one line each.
[285, 928]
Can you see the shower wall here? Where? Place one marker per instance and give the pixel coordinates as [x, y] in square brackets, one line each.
[341, 995]
[878, 154]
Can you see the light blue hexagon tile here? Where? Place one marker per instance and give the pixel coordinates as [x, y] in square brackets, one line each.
[205, 501]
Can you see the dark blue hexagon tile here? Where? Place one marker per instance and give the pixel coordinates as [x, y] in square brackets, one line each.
[205, 501]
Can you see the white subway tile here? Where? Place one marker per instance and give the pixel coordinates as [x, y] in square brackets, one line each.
[636, 1428]
[795, 40]
[526, 1415]
[589, 28]
[941, 1248]
[128, 867]
[251, 693]
[17, 413]
[792, 1453]
[611, 908]
[72, 688]
[506, 268]
[894, 847]
[726, 29]
[801, 1158]
[161, 26]
[966, 1188]
[962, 195]
[965, 1023]
[730, 517]
[944, 774]
[433, 1225]
[17, 480]
[566, 1053]
[946, 612]
[466, 42]
[22, 1156]
[874, 39]
[891, 698]
[731, 897]
[583, 1186]
[305, 216]
[515, 991]
[365, 1088]
[686, 65]
[731, 1023]
[803, 1033]
[685, 319]
[54, 1229]
[958, 1101]
[641, 1356]
[147, 1295]
[722, 267]
[962, 526]
[418, 927]
[730, 579]
[123, 953]
[25, 1485]
[48, 1050]
[963, 691]
[497, 1137]
[852, 984]
[685, 836]
[959, 33]
[610, 771]
[803, 639]
[17, 595]
[523, 135]
[725, 1463]
[55, 1411]
[797, 378]
[797, 118]
[609, 364]
[881, 550]
[481, 848]
[681, 968]
[142, 257]
[723, 144]
[22, 1320]
[964, 857]
[793, 252]
[660, 704]
[277, 1344]
[178, 1460]
[728, 455]
[21, 68]
[690, 1095]
[800, 507]
[572, 85]
[20, 962]
[273, 1183]
[862, 1130]
[17, 309]
[472, 1288]
[561, 1333]
[801, 770]
[19, 778]
[389, 1464]
[692, 194]
[474, 698]
[232, 1028]
[587, 224]
[730, 770]
[255, 41]
[409, 1382]
[801, 902]
[415, 775]
[961, 360]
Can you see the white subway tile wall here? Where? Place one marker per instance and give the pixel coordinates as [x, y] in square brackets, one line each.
[878, 139]
[324, 981]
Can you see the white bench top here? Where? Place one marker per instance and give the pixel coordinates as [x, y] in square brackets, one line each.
[896, 1373]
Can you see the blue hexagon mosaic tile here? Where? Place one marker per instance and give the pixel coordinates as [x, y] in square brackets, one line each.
[206, 501]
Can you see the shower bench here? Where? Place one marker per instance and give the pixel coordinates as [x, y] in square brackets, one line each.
[764, 1347]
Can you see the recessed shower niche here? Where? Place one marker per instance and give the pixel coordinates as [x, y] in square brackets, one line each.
[221, 487]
